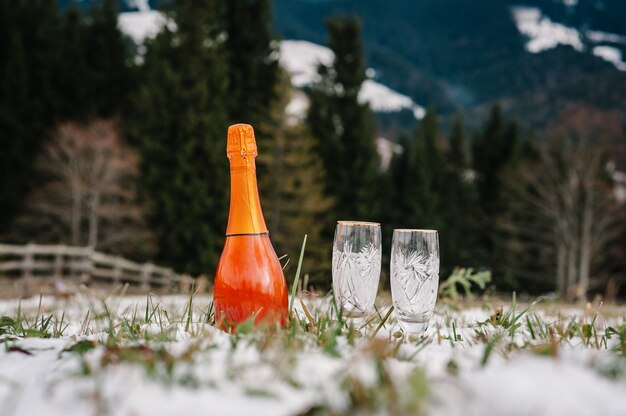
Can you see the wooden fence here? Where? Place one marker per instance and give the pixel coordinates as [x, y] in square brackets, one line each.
[33, 267]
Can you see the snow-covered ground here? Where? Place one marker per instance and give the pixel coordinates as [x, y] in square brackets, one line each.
[111, 360]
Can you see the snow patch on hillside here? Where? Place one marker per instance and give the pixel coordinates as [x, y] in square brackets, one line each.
[610, 54]
[301, 59]
[141, 25]
[598, 36]
[297, 107]
[141, 5]
[545, 34]
[387, 150]
[386, 100]
[542, 32]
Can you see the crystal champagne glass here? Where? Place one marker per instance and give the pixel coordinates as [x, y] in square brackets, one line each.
[356, 267]
[414, 277]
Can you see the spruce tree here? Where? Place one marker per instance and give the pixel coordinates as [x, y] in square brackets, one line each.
[458, 237]
[493, 151]
[179, 123]
[253, 81]
[400, 205]
[28, 100]
[417, 175]
[417, 178]
[253, 70]
[293, 200]
[344, 128]
[496, 152]
[106, 54]
[75, 81]
[427, 174]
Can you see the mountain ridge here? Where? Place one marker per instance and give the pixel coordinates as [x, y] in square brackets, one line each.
[540, 59]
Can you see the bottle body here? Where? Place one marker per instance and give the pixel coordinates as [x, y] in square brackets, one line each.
[249, 280]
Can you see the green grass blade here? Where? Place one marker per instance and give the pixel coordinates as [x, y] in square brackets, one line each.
[296, 280]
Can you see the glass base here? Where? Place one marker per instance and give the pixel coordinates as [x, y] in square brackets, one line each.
[356, 319]
[413, 327]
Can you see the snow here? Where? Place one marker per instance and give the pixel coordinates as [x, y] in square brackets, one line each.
[598, 36]
[253, 378]
[141, 5]
[386, 149]
[299, 58]
[543, 33]
[542, 386]
[142, 25]
[385, 100]
[302, 58]
[610, 54]
[297, 107]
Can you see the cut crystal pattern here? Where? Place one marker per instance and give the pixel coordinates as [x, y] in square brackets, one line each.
[357, 274]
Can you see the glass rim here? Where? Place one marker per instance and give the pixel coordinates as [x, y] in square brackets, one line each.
[358, 223]
[414, 230]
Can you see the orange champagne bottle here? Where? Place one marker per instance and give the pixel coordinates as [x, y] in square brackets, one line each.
[249, 280]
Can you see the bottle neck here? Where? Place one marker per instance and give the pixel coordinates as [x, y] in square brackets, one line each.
[245, 216]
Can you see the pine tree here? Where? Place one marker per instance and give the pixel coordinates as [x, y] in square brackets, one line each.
[417, 178]
[496, 153]
[253, 70]
[96, 79]
[75, 80]
[427, 174]
[431, 189]
[399, 173]
[253, 82]
[344, 128]
[292, 191]
[28, 101]
[493, 151]
[458, 235]
[179, 124]
[106, 54]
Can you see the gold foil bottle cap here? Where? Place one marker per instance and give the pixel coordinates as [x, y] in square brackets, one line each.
[241, 141]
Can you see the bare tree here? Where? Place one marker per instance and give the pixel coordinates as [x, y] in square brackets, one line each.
[566, 195]
[88, 196]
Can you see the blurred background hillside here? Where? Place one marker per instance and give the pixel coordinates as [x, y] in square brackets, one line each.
[501, 123]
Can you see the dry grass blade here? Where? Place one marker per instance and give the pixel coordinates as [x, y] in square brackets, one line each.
[382, 323]
[307, 314]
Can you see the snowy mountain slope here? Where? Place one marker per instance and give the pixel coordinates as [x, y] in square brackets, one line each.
[299, 58]
[544, 34]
